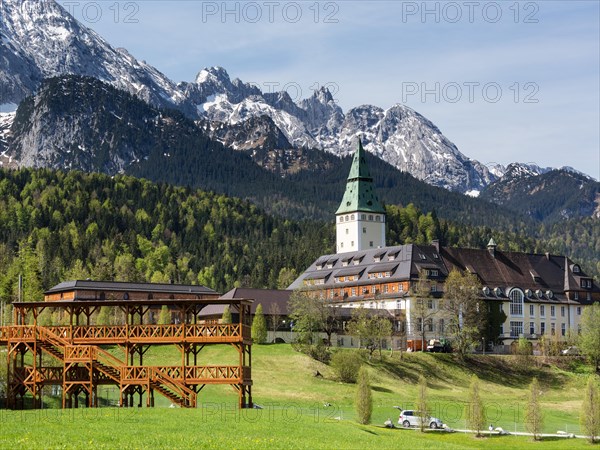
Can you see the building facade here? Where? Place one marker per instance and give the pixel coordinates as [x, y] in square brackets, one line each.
[541, 295]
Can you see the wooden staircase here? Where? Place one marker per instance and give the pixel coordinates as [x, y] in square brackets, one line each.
[112, 367]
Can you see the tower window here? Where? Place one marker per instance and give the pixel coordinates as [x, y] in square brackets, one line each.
[352, 217]
[370, 216]
[363, 217]
[352, 243]
[347, 232]
[370, 243]
[377, 219]
[364, 230]
[347, 219]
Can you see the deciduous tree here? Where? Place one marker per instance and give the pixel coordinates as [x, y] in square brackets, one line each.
[370, 327]
[364, 400]
[474, 410]
[422, 403]
[463, 310]
[590, 410]
[312, 314]
[534, 417]
[589, 341]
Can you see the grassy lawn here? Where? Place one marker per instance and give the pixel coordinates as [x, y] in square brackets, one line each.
[301, 410]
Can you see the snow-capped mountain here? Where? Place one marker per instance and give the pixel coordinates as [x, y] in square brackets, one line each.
[398, 135]
[39, 40]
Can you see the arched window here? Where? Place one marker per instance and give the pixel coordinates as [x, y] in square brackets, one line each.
[516, 302]
[126, 296]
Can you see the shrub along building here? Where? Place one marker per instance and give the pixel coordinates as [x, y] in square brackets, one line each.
[539, 294]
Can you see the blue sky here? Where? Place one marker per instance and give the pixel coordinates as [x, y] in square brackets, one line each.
[505, 81]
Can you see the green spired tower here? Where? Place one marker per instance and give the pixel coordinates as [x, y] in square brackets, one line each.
[360, 219]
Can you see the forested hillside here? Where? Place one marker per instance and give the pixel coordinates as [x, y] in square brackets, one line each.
[58, 225]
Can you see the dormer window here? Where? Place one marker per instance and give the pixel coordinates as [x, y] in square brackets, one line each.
[423, 257]
[576, 268]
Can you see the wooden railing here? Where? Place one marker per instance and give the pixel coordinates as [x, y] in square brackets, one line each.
[65, 335]
[80, 353]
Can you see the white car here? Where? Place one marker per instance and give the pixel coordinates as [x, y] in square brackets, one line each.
[571, 351]
[410, 418]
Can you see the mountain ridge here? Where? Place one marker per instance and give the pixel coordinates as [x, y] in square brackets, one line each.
[41, 40]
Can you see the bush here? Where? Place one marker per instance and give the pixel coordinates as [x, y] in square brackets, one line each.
[316, 351]
[346, 364]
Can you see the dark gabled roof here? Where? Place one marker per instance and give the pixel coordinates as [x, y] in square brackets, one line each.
[320, 275]
[268, 298]
[389, 267]
[356, 270]
[497, 269]
[118, 286]
[402, 267]
[508, 270]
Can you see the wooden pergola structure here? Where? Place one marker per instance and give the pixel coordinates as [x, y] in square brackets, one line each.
[82, 362]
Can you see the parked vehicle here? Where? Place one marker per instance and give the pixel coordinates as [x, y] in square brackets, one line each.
[437, 346]
[410, 418]
[571, 351]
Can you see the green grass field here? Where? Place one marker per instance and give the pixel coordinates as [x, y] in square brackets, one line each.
[295, 414]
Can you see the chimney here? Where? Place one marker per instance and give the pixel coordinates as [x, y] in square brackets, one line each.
[491, 247]
[436, 244]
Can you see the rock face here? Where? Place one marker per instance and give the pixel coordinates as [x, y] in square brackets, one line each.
[39, 40]
[399, 135]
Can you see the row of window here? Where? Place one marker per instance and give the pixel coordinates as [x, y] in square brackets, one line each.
[371, 217]
[516, 307]
[516, 329]
[364, 290]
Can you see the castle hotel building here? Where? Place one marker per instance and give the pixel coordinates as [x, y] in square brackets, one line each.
[541, 294]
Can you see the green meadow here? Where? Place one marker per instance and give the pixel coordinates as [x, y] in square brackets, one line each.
[301, 410]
